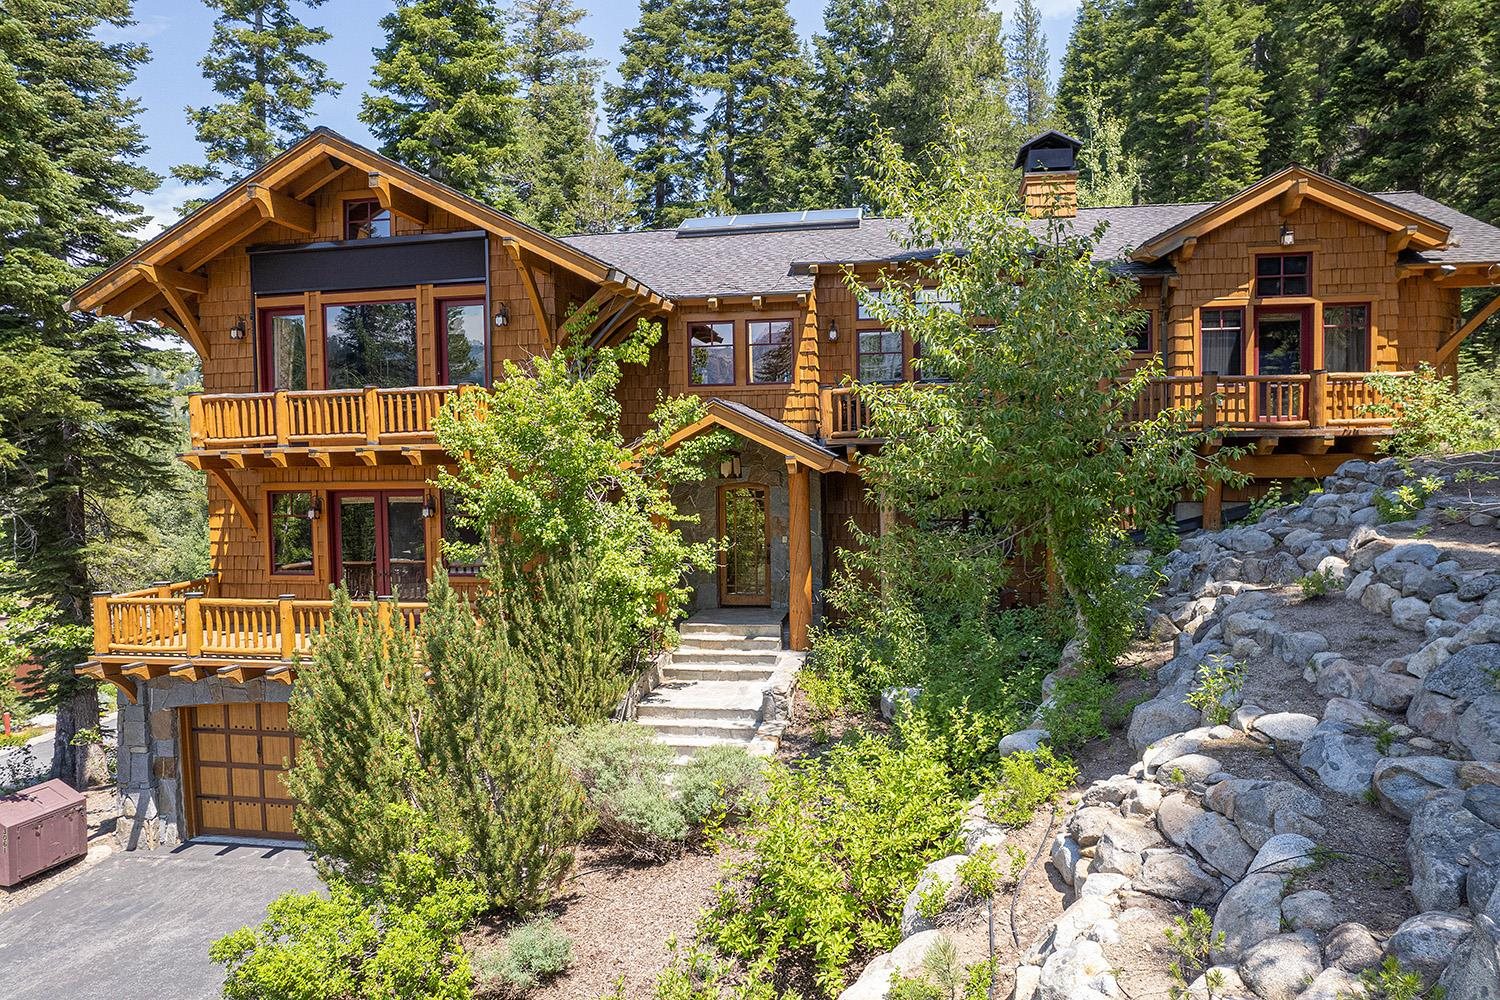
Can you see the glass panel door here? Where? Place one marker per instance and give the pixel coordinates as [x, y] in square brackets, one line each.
[284, 350]
[358, 546]
[745, 560]
[1281, 340]
[461, 340]
[406, 548]
[381, 543]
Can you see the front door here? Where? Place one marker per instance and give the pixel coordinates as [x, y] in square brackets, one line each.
[745, 556]
[380, 544]
[1283, 346]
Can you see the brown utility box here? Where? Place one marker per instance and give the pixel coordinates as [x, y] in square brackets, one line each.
[40, 828]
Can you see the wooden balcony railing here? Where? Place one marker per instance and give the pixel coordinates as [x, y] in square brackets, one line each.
[190, 624]
[317, 418]
[1333, 400]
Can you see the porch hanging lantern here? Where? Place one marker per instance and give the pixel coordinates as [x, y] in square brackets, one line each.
[502, 315]
[237, 332]
[730, 467]
[1288, 237]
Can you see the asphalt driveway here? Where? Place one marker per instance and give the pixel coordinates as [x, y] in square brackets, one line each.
[138, 925]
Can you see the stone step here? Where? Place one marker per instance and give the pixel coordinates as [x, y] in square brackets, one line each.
[723, 729]
[689, 746]
[702, 699]
[727, 657]
[748, 630]
[729, 640]
[717, 672]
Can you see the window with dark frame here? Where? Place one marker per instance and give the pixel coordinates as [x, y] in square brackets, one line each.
[283, 349]
[770, 350]
[1282, 274]
[1346, 337]
[711, 353]
[1140, 341]
[291, 534]
[880, 356]
[456, 532]
[364, 219]
[461, 341]
[1223, 341]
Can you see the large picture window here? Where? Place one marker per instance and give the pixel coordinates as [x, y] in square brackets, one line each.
[880, 356]
[284, 349]
[711, 353]
[461, 329]
[1281, 274]
[291, 534]
[1223, 341]
[373, 343]
[1346, 338]
[770, 350]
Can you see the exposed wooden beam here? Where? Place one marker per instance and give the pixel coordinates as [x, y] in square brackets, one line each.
[586, 318]
[237, 499]
[1291, 198]
[186, 319]
[1265, 445]
[218, 241]
[1315, 445]
[528, 281]
[314, 182]
[398, 200]
[189, 671]
[1399, 240]
[1188, 248]
[171, 277]
[276, 207]
[1450, 346]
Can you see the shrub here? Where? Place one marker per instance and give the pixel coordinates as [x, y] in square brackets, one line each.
[719, 782]
[943, 976]
[1407, 500]
[455, 733]
[530, 955]
[1391, 982]
[1027, 781]
[828, 856]
[1320, 584]
[1192, 940]
[1219, 682]
[394, 940]
[1428, 416]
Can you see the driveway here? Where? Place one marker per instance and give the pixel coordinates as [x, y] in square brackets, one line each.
[139, 924]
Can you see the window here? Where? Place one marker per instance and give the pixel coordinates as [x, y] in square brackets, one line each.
[291, 534]
[1140, 331]
[865, 313]
[926, 298]
[284, 349]
[1346, 338]
[711, 353]
[1281, 274]
[373, 343]
[1223, 341]
[461, 330]
[365, 219]
[880, 356]
[455, 532]
[770, 350]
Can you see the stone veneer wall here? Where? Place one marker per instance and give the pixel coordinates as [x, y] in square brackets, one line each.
[759, 466]
[153, 813]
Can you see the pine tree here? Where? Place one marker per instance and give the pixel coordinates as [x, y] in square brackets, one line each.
[1199, 125]
[258, 60]
[83, 411]
[1093, 64]
[1298, 56]
[1030, 89]
[652, 114]
[757, 129]
[601, 199]
[443, 95]
[852, 63]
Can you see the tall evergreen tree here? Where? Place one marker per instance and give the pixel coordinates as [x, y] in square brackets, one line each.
[1106, 175]
[1199, 124]
[258, 60]
[1030, 87]
[852, 63]
[83, 412]
[1093, 64]
[757, 131]
[1298, 54]
[443, 96]
[652, 113]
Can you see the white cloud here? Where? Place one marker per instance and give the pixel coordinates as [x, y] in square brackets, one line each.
[142, 30]
[162, 205]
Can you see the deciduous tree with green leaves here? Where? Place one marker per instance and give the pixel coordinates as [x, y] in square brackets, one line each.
[259, 61]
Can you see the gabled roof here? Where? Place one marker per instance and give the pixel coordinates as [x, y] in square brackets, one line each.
[1050, 139]
[1292, 185]
[763, 430]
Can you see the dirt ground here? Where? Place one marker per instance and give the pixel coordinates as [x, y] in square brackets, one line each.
[103, 813]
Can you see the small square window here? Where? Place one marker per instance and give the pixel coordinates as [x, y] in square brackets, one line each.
[711, 353]
[770, 350]
[1346, 338]
[1281, 274]
[880, 356]
[291, 534]
[364, 219]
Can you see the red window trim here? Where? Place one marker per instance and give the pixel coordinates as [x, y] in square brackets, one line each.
[271, 572]
[416, 342]
[1255, 276]
[860, 352]
[1369, 336]
[382, 533]
[440, 332]
[750, 345]
[1244, 343]
[351, 202]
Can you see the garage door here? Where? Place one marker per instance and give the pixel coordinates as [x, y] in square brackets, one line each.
[240, 754]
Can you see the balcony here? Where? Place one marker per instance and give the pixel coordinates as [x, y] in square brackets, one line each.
[317, 427]
[1318, 403]
[186, 631]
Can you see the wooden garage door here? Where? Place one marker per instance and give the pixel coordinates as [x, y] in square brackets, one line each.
[240, 754]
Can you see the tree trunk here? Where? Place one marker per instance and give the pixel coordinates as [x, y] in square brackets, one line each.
[79, 766]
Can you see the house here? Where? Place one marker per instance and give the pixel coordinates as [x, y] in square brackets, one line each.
[337, 299]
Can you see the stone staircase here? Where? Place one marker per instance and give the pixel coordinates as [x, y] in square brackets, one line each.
[713, 688]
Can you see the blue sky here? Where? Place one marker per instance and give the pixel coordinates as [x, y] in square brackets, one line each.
[178, 32]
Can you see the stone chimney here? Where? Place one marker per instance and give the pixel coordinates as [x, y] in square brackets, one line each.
[1049, 176]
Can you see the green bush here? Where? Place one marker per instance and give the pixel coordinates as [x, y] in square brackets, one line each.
[943, 976]
[1407, 500]
[397, 939]
[530, 955]
[1391, 982]
[1319, 584]
[1217, 687]
[1027, 781]
[1428, 416]
[624, 773]
[827, 857]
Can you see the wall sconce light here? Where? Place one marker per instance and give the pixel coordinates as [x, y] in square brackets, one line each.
[833, 330]
[427, 508]
[237, 332]
[502, 315]
[1287, 236]
[730, 467]
[315, 508]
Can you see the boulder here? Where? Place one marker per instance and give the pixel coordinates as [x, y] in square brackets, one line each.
[1087, 824]
[891, 700]
[1351, 947]
[1410, 613]
[1172, 875]
[1351, 712]
[1176, 817]
[1121, 845]
[1422, 553]
[1310, 910]
[1189, 769]
[1474, 972]
[1290, 727]
[1077, 972]
[1248, 914]
[1284, 854]
[1478, 731]
[1425, 943]
[1026, 740]
[1280, 967]
[1297, 648]
[1484, 873]
[1215, 839]
[1076, 923]
[874, 982]
[1173, 746]
[1437, 849]
[1435, 714]
[1065, 855]
[1403, 782]
[1343, 760]
[1246, 540]
[942, 873]
[1390, 690]
[1378, 597]
[1484, 801]
[1476, 588]
[1261, 809]
[1425, 660]
[1161, 716]
[1332, 984]
[1467, 675]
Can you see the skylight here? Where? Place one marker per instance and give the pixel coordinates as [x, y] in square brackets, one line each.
[817, 218]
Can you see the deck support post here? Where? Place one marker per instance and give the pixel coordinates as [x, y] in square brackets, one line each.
[192, 622]
[288, 626]
[101, 622]
[799, 552]
[1213, 504]
[1317, 401]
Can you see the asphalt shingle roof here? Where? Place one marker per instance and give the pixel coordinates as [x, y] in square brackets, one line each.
[766, 263]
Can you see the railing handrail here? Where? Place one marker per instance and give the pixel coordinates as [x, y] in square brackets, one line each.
[285, 417]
